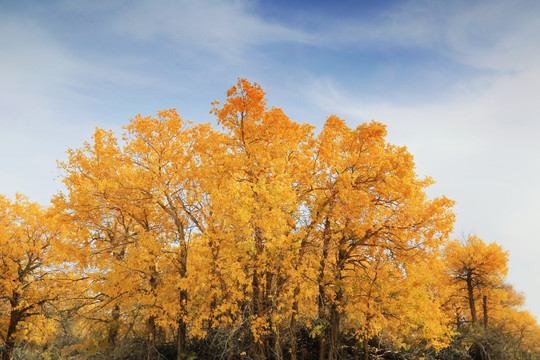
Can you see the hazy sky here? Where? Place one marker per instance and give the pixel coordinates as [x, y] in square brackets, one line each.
[457, 82]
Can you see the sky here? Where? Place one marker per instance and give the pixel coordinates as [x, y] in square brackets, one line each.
[457, 82]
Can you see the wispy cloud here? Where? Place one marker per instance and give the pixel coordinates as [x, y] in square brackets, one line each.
[33, 66]
[47, 91]
[36, 74]
[498, 35]
[226, 28]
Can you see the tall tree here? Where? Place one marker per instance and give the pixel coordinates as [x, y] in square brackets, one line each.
[135, 206]
[374, 205]
[476, 268]
[29, 272]
[166, 153]
[265, 160]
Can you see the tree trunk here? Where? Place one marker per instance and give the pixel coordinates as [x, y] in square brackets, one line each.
[366, 348]
[334, 332]
[151, 328]
[151, 322]
[294, 316]
[268, 308]
[15, 317]
[214, 247]
[257, 309]
[335, 314]
[322, 346]
[485, 308]
[9, 344]
[181, 340]
[470, 291]
[293, 328]
[258, 297]
[276, 291]
[277, 345]
[7, 350]
[323, 318]
[183, 298]
[114, 326]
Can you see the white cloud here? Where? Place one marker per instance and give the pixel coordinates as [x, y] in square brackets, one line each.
[497, 35]
[40, 98]
[32, 67]
[221, 27]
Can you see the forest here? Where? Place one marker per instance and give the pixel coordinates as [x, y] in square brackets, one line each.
[261, 239]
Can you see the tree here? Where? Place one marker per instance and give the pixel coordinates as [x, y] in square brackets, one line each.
[476, 268]
[373, 206]
[519, 332]
[400, 302]
[166, 155]
[135, 208]
[29, 272]
[262, 181]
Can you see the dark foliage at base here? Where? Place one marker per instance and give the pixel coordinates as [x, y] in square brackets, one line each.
[467, 345]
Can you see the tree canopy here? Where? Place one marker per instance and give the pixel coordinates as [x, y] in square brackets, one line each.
[261, 239]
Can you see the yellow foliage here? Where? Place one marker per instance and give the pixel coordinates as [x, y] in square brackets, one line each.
[258, 228]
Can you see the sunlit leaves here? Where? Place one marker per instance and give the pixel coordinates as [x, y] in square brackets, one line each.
[30, 273]
[249, 236]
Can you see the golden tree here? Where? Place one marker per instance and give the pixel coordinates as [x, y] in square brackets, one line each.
[477, 269]
[134, 208]
[30, 271]
[372, 204]
[262, 181]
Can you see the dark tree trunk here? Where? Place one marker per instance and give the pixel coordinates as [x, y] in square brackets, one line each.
[183, 297]
[335, 312]
[323, 317]
[279, 284]
[470, 292]
[278, 351]
[151, 322]
[333, 348]
[322, 346]
[9, 345]
[257, 303]
[151, 328]
[15, 317]
[366, 348]
[294, 323]
[258, 296]
[293, 328]
[114, 326]
[485, 308]
[181, 340]
[7, 350]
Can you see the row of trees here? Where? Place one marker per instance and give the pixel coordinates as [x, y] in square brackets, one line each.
[260, 240]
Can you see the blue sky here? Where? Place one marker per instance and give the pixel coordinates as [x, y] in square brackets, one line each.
[457, 82]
